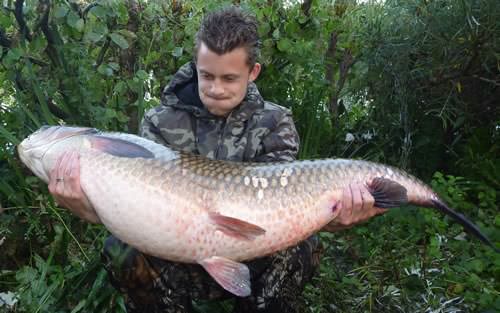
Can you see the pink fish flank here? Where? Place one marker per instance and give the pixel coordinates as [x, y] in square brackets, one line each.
[189, 208]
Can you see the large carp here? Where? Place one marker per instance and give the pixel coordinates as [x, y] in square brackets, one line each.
[188, 208]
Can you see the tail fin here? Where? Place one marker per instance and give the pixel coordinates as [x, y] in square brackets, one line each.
[462, 220]
[389, 194]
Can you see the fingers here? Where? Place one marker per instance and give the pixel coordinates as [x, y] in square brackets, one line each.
[61, 184]
[357, 198]
[367, 199]
[53, 175]
[73, 173]
[357, 205]
[64, 180]
[346, 202]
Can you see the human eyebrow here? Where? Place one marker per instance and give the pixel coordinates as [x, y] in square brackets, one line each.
[230, 77]
[205, 73]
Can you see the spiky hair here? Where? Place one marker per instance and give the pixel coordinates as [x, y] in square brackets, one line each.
[227, 29]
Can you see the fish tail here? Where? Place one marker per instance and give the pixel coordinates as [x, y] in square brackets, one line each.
[389, 194]
[462, 220]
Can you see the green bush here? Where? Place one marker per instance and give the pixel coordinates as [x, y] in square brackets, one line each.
[409, 83]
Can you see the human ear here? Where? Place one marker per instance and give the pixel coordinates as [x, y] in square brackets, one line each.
[254, 72]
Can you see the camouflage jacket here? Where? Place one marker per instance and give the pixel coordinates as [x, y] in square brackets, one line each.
[256, 130]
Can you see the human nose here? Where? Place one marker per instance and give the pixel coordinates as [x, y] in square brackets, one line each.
[216, 88]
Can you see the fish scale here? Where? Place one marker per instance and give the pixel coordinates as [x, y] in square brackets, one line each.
[188, 208]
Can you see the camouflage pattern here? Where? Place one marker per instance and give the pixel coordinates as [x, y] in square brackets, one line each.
[255, 131]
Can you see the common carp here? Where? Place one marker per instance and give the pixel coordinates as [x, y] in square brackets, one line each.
[187, 208]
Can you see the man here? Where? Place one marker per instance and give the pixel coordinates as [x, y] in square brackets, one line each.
[212, 108]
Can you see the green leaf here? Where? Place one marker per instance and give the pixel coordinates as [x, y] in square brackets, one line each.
[14, 55]
[60, 11]
[264, 29]
[122, 12]
[80, 24]
[276, 33]
[135, 84]
[72, 19]
[99, 11]
[79, 306]
[177, 52]
[284, 45]
[37, 44]
[105, 70]
[114, 66]
[8, 135]
[95, 31]
[119, 40]
[142, 74]
[127, 34]
[120, 88]
[5, 20]
[93, 37]
[476, 265]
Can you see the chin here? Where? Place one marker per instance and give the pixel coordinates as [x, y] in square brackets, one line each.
[218, 109]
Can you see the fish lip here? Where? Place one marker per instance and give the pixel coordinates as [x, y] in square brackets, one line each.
[51, 135]
[48, 137]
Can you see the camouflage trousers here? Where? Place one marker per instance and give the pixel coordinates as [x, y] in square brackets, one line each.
[154, 285]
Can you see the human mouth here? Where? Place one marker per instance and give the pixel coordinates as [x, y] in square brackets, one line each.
[217, 98]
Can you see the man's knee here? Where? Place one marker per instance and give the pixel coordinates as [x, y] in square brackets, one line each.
[279, 287]
[118, 254]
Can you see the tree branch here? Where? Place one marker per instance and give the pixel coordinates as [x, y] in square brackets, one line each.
[330, 58]
[345, 65]
[336, 86]
[4, 41]
[18, 13]
[57, 111]
[306, 7]
[87, 9]
[102, 52]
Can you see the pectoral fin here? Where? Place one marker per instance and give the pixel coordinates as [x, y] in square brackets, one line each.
[387, 193]
[231, 275]
[119, 147]
[235, 227]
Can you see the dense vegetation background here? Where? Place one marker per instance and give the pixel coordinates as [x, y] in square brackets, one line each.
[411, 83]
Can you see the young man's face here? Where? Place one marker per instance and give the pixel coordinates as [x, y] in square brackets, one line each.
[223, 79]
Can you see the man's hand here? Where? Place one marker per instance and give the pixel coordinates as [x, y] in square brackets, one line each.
[356, 206]
[64, 185]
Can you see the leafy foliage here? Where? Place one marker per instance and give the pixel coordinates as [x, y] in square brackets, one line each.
[410, 83]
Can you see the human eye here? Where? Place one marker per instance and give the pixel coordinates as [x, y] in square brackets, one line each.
[230, 78]
[206, 75]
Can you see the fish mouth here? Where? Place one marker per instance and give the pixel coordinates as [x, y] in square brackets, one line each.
[33, 149]
[49, 135]
[37, 144]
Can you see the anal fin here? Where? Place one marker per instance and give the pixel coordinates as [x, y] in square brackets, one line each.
[235, 227]
[232, 276]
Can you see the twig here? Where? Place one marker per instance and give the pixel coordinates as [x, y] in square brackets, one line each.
[18, 207]
[69, 232]
[102, 53]
[87, 9]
